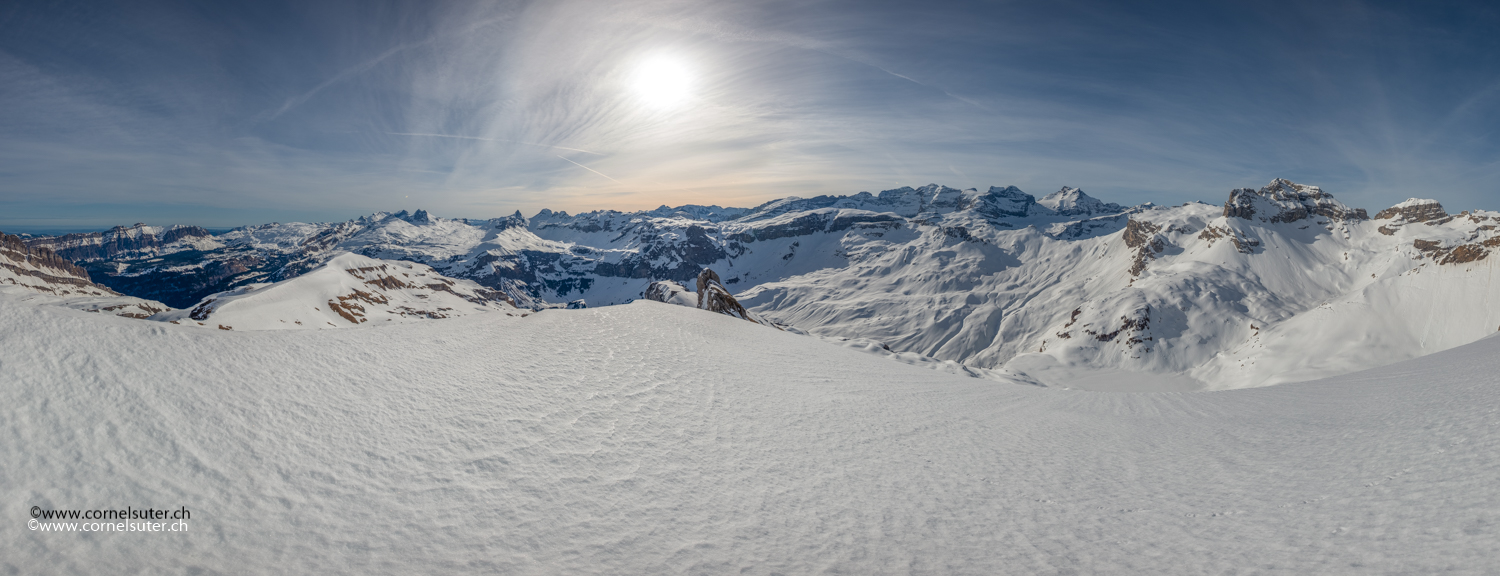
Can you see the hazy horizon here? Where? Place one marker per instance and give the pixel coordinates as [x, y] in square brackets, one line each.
[57, 230]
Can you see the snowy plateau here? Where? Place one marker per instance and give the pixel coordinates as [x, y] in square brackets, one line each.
[930, 381]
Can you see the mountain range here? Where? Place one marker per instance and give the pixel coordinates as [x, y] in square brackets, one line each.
[1277, 284]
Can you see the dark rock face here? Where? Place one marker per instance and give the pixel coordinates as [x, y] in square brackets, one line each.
[714, 297]
[1414, 212]
[115, 241]
[578, 304]
[1284, 201]
[1142, 236]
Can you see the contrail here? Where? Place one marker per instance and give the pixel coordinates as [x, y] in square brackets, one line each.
[495, 140]
[594, 171]
[296, 101]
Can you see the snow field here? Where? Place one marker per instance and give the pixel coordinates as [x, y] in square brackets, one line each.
[650, 438]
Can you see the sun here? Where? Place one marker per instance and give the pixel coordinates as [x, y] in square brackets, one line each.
[663, 82]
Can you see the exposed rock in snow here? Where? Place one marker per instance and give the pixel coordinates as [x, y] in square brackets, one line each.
[1414, 210]
[670, 292]
[1284, 201]
[714, 297]
[42, 270]
[39, 271]
[347, 290]
[1142, 236]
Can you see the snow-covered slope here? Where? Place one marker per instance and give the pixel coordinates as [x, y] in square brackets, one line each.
[650, 439]
[347, 290]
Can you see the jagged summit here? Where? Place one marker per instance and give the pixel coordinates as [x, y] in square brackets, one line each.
[1284, 201]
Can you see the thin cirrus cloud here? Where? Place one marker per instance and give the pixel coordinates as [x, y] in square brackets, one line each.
[240, 114]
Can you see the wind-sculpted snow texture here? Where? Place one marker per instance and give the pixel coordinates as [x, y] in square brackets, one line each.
[1277, 284]
[657, 439]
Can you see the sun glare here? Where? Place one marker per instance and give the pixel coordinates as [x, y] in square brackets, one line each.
[662, 82]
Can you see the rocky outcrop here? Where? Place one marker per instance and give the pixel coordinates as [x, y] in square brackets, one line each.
[1414, 210]
[15, 252]
[669, 292]
[1143, 237]
[1284, 201]
[42, 271]
[1461, 254]
[117, 241]
[714, 297]
[1241, 243]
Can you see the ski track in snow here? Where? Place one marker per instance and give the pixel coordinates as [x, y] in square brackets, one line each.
[650, 438]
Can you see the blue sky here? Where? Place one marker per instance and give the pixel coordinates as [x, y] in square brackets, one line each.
[234, 113]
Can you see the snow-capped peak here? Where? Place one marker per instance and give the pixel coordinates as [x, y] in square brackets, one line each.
[1074, 202]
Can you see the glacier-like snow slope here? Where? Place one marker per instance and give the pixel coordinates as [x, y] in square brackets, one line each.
[658, 439]
[345, 291]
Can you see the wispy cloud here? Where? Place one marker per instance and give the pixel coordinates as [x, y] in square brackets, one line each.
[494, 140]
[468, 106]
